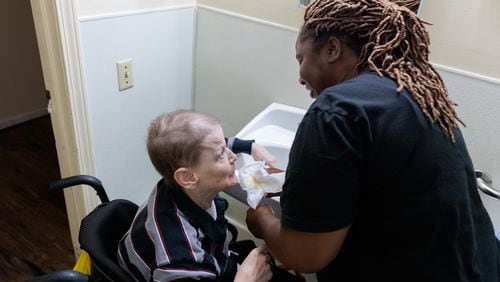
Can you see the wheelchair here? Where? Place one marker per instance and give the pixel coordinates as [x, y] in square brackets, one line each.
[99, 235]
[101, 231]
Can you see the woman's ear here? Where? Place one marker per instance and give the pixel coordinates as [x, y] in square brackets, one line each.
[186, 178]
[334, 47]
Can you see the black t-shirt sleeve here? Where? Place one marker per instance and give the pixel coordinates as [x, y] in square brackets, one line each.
[322, 181]
[239, 145]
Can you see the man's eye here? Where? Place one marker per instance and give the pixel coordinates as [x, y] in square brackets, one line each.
[222, 154]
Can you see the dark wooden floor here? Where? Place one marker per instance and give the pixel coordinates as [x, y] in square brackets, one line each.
[34, 231]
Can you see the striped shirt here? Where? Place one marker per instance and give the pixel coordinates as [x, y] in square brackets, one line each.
[172, 238]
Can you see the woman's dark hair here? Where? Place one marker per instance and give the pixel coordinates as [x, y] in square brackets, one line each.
[391, 40]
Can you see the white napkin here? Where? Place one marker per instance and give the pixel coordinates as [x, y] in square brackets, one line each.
[257, 182]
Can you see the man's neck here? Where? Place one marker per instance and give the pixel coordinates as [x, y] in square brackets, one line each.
[203, 200]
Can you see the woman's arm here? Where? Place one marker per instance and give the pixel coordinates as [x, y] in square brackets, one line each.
[302, 251]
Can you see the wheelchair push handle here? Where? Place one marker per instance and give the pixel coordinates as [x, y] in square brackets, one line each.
[79, 180]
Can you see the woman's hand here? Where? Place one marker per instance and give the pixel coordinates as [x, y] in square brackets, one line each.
[254, 219]
[259, 153]
[255, 267]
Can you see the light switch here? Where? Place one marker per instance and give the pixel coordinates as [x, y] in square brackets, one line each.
[125, 74]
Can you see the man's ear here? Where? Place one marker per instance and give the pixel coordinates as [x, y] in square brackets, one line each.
[334, 48]
[186, 178]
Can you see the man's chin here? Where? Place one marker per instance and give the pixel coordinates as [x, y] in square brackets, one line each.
[232, 181]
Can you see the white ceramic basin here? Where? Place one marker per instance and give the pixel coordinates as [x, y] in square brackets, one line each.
[274, 128]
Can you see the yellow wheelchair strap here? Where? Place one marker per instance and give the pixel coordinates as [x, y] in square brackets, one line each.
[83, 264]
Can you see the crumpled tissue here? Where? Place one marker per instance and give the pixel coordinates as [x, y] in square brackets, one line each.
[257, 182]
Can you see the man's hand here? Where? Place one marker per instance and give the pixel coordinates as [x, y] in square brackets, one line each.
[255, 267]
[259, 153]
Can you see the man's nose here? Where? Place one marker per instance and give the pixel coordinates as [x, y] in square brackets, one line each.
[232, 156]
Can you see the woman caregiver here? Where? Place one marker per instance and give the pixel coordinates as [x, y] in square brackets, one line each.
[379, 186]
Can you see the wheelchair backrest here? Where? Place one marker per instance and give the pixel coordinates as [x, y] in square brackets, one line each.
[100, 233]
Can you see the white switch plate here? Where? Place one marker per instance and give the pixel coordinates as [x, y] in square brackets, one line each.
[125, 74]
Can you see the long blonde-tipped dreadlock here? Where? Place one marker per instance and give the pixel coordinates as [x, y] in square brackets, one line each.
[396, 45]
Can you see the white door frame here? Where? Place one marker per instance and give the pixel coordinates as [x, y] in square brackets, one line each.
[57, 33]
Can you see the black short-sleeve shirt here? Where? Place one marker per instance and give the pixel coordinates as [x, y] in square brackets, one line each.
[365, 155]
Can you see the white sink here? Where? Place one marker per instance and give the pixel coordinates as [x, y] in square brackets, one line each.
[274, 128]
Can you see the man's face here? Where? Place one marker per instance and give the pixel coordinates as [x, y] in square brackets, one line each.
[216, 166]
[313, 64]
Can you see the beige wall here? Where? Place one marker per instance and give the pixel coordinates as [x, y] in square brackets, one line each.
[465, 34]
[283, 12]
[96, 7]
[22, 93]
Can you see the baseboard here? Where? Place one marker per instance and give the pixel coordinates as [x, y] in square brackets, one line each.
[20, 118]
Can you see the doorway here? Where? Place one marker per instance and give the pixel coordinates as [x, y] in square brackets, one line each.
[35, 233]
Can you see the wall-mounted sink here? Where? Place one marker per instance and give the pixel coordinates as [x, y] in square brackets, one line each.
[274, 128]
